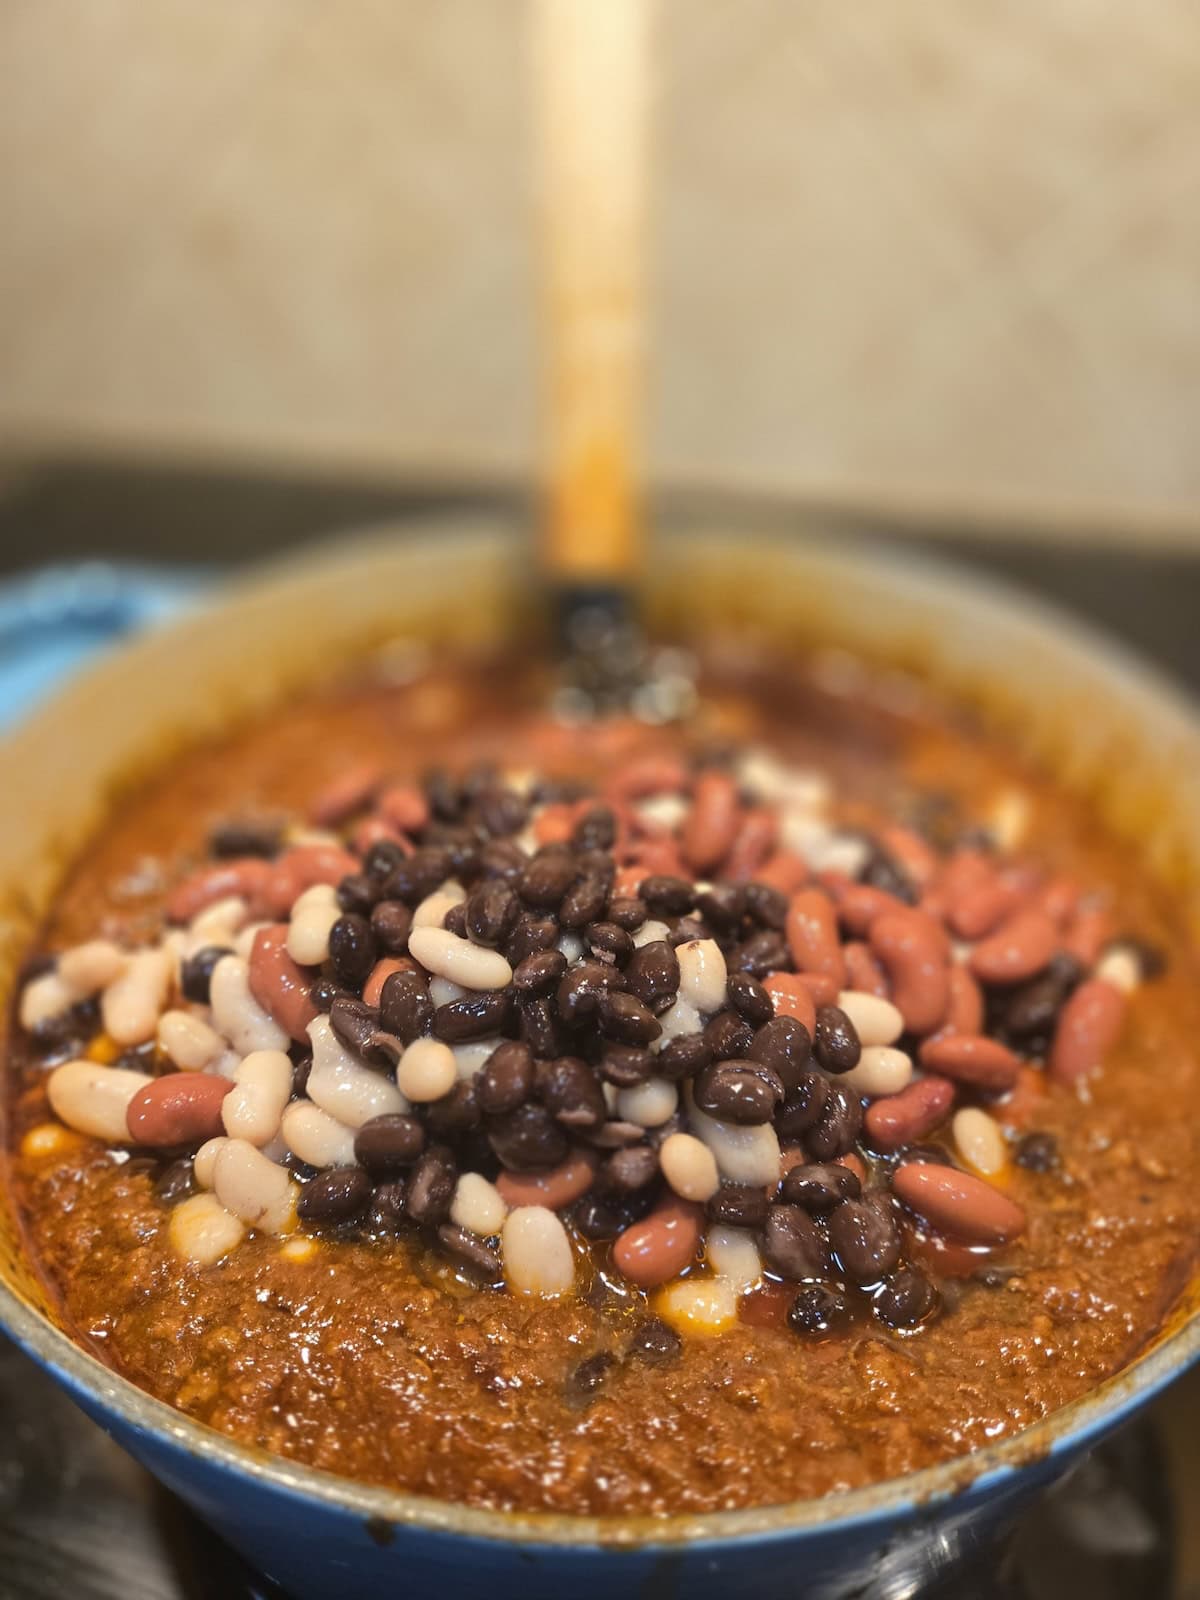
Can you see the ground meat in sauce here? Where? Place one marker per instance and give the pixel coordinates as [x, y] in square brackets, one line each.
[383, 1362]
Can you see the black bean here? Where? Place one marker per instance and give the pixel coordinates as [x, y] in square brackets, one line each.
[580, 990]
[882, 872]
[246, 836]
[382, 859]
[865, 1237]
[932, 1154]
[547, 878]
[835, 1131]
[749, 999]
[597, 864]
[739, 1205]
[357, 892]
[655, 1341]
[529, 936]
[388, 1144]
[819, 1188]
[766, 905]
[501, 812]
[600, 1217]
[804, 1105]
[588, 1377]
[793, 1245]
[608, 940]
[387, 1213]
[301, 1068]
[835, 1040]
[528, 1138]
[784, 1044]
[615, 1134]
[905, 1298]
[760, 954]
[175, 1182]
[571, 1092]
[405, 1008]
[455, 920]
[357, 1026]
[431, 1186]
[324, 991]
[666, 896]
[683, 1057]
[722, 906]
[628, 912]
[446, 796]
[596, 829]
[417, 876]
[684, 930]
[1037, 1152]
[540, 1028]
[195, 972]
[506, 1079]
[631, 1168]
[1151, 958]
[352, 950]
[456, 1113]
[339, 1194]
[626, 1065]
[540, 972]
[744, 1092]
[586, 901]
[471, 1249]
[728, 1036]
[475, 1016]
[652, 974]
[502, 858]
[491, 912]
[1030, 1010]
[623, 1017]
[391, 923]
[818, 1309]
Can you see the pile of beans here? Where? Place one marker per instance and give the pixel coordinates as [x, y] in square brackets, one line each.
[680, 1029]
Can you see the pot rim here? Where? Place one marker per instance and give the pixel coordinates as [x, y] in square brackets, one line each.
[1111, 664]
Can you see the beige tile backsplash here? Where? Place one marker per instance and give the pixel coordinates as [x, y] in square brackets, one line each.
[918, 256]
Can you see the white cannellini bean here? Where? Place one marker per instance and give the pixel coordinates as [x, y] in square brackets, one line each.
[432, 910]
[254, 1188]
[698, 1308]
[1121, 967]
[472, 1053]
[764, 775]
[44, 997]
[237, 1013]
[662, 810]
[313, 916]
[90, 967]
[840, 852]
[980, 1141]
[571, 946]
[447, 956]
[426, 1071]
[205, 1160]
[649, 1104]
[807, 835]
[1008, 819]
[217, 923]
[881, 1069]
[733, 1255]
[262, 1086]
[478, 1205]
[316, 1137]
[131, 1003]
[689, 1166]
[201, 1230]
[341, 1085]
[680, 1018]
[743, 1154]
[93, 1099]
[650, 932]
[189, 1041]
[442, 992]
[876, 1021]
[537, 1253]
[702, 974]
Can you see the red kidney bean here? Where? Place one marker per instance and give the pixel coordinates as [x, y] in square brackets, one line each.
[299, 869]
[1022, 1102]
[553, 823]
[374, 830]
[863, 971]
[791, 998]
[982, 908]
[971, 1058]
[965, 870]
[648, 775]
[785, 871]
[812, 935]
[958, 1204]
[245, 877]
[965, 1011]
[554, 1189]
[657, 1248]
[1089, 930]
[899, 1119]
[859, 905]
[852, 1163]
[351, 791]
[183, 1108]
[403, 806]
[1022, 945]
[380, 973]
[912, 948]
[1087, 1026]
[278, 984]
[915, 858]
[1058, 898]
[754, 843]
[711, 825]
[821, 987]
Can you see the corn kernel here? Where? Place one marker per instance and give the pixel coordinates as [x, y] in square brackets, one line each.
[103, 1049]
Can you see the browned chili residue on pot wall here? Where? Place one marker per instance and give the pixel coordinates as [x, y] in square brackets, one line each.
[379, 1361]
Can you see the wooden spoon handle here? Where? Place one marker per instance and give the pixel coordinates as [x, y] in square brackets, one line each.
[591, 100]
